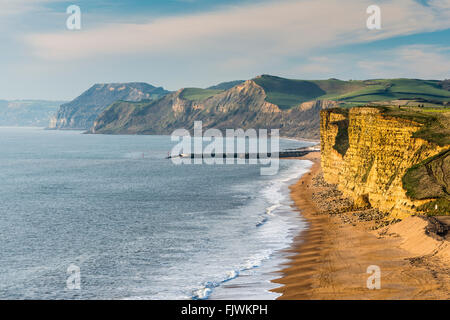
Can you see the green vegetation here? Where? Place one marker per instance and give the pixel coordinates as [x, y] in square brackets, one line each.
[439, 207]
[198, 94]
[287, 93]
[436, 123]
[430, 180]
[226, 85]
[391, 89]
[427, 180]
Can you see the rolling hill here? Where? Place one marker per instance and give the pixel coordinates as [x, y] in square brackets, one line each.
[287, 93]
[266, 101]
[226, 85]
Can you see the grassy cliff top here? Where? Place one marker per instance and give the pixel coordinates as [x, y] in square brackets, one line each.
[287, 93]
[198, 94]
[435, 122]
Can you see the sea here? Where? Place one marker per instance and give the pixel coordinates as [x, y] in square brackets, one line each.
[109, 217]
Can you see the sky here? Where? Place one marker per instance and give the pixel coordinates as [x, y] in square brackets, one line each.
[199, 43]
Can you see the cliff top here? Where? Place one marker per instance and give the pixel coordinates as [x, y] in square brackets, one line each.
[435, 122]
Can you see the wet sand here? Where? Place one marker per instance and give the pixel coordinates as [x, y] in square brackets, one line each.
[331, 258]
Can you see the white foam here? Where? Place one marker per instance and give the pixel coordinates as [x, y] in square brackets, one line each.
[275, 233]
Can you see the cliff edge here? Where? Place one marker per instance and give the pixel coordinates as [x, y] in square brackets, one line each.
[394, 159]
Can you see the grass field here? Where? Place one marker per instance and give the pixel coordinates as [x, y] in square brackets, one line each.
[198, 94]
[287, 93]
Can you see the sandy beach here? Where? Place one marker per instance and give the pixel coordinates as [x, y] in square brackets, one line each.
[330, 259]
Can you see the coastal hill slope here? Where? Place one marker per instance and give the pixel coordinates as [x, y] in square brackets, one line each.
[81, 112]
[226, 85]
[394, 159]
[243, 106]
[287, 93]
[266, 101]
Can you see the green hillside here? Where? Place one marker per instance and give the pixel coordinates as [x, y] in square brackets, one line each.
[245, 107]
[198, 94]
[287, 93]
[226, 85]
[394, 89]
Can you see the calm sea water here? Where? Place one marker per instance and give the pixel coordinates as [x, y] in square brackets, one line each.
[137, 226]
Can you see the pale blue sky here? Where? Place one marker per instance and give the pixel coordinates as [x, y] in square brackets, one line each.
[180, 43]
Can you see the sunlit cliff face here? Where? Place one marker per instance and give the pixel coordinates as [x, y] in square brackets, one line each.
[367, 155]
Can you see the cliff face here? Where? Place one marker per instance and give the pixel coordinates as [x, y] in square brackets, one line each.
[243, 106]
[264, 102]
[81, 112]
[367, 155]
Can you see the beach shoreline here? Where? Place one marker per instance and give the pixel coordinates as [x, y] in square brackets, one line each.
[330, 259]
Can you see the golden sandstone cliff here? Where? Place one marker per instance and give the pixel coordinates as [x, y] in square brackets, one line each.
[367, 154]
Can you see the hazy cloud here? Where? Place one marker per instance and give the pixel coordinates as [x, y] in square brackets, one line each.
[275, 28]
[299, 39]
[422, 61]
[14, 7]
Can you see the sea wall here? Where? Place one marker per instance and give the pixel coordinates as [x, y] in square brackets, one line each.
[367, 155]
